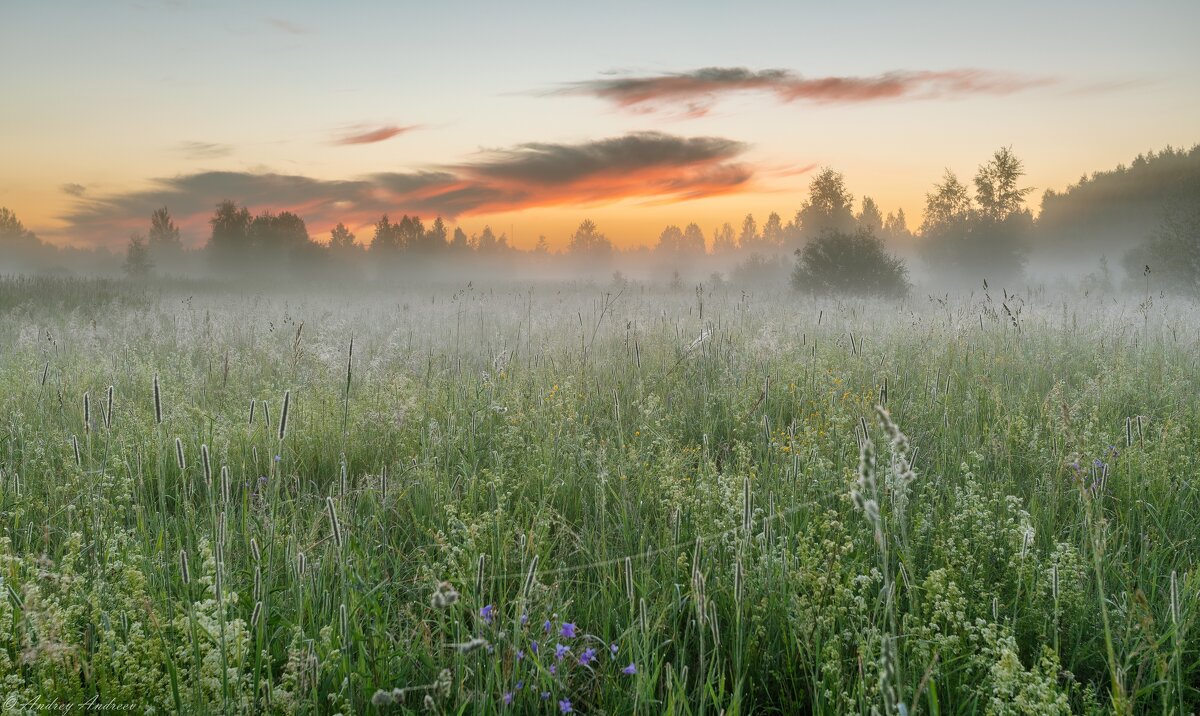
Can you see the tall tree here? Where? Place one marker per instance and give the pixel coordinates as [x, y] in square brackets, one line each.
[230, 238]
[164, 234]
[947, 207]
[386, 239]
[895, 227]
[828, 206]
[460, 241]
[13, 234]
[589, 241]
[437, 236]
[772, 233]
[723, 239]
[341, 239]
[748, 239]
[693, 240]
[138, 263]
[669, 240]
[869, 217]
[997, 190]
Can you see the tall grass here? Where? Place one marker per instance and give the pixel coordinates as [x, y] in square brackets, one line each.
[663, 501]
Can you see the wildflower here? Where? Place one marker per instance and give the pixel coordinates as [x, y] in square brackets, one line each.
[560, 651]
[524, 619]
[568, 630]
[381, 698]
[546, 626]
[553, 670]
[630, 670]
[520, 655]
[277, 458]
[545, 695]
[564, 707]
[520, 685]
[587, 657]
[486, 613]
[612, 648]
[533, 646]
[508, 698]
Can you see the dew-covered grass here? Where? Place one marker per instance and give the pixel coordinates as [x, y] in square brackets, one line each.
[527, 499]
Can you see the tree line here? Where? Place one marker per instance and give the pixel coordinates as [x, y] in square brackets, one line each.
[977, 228]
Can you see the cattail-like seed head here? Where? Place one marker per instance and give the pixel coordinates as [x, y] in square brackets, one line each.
[466, 647]
[183, 567]
[257, 583]
[226, 487]
[254, 616]
[204, 463]
[250, 421]
[1174, 599]
[108, 409]
[179, 455]
[300, 564]
[629, 580]
[344, 615]
[87, 412]
[157, 401]
[255, 551]
[334, 526]
[479, 577]
[283, 415]
[75, 447]
[530, 576]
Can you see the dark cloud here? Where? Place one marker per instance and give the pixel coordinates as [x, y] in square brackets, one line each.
[642, 166]
[73, 189]
[370, 136]
[204, 150]
[694, 92]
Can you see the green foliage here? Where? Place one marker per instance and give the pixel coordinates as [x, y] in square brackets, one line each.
[853, 264]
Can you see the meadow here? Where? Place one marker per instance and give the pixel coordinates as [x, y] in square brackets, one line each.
[596, 498]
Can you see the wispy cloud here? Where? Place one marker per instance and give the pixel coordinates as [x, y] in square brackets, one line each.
[694, 93]
[291, 28]
[203, 150]
[371, 136]
[647, 167]
[72, 189]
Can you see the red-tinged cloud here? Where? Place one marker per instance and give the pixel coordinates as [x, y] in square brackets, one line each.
[645, 167]
[692, 94]
[372, 136]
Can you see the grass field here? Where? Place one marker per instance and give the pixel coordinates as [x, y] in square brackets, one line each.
[596, 498]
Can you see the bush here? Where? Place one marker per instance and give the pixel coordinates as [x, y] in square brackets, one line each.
[838, 262]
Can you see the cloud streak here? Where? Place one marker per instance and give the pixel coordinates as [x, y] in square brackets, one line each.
[371, 136]
[203, 150]
[649, 167]
[695, 92]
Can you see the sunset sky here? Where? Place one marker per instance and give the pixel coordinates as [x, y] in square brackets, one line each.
[531, 118]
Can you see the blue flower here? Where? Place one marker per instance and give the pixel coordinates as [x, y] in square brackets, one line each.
[630, 670]
[533, 646]
[545, 695]
[546, 626]
[520, 655]
[564, 706]
[508, 699]
[486, 613]
[520, 685]
[587, 657]
[277, 458]
[613, 649]
[560, 651]
[524, 619]
[568, 630]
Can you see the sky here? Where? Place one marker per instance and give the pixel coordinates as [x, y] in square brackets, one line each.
[529, 117]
